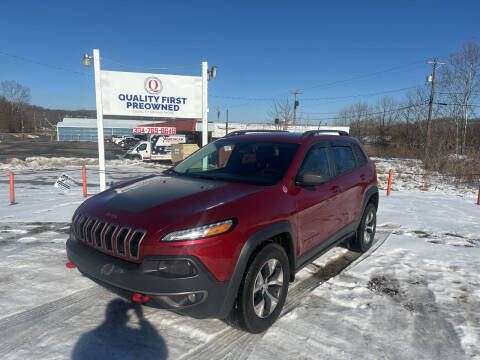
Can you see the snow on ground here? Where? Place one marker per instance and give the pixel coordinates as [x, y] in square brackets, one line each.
[415, 297]
[409, 174]
[38, 200]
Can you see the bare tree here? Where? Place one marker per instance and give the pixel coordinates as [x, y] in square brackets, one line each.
[460, 81]
[18, 96]
[282, 109]
[386, 114]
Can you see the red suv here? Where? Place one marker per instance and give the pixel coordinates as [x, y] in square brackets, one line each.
[223, 233]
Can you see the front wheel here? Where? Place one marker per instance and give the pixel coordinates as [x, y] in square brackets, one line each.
[363, 239]
[263, 290]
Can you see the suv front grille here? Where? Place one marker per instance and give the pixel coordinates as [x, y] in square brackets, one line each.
[120, 240]
[98, 234]
[134, 243]
[89, 230]
[109, 237]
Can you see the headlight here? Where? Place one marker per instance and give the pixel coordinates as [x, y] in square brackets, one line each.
[200, 232]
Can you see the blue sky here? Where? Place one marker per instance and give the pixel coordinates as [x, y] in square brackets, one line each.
[263, 49]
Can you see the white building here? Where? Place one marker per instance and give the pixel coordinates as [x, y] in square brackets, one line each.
[83, 129]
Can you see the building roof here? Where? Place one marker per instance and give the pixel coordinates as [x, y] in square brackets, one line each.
[107, 123]
[219, 128]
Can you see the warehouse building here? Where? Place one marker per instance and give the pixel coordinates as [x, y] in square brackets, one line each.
[83, 129]
[80, 129]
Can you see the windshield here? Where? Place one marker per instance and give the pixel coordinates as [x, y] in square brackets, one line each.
[251, 162]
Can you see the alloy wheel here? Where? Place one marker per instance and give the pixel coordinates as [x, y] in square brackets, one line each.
[267, 288]
[369, 231]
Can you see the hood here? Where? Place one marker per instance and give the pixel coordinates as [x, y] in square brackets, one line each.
[165, 199]
[154, 191]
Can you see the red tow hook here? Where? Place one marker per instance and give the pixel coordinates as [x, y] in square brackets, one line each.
[70, 265]
[139, 298]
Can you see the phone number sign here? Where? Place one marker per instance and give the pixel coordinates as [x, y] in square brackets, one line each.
[155, 130]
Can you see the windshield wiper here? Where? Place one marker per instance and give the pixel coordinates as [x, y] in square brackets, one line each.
[210, 177]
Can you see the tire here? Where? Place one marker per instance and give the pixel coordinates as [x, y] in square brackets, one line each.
[363, 239]
[270, 263]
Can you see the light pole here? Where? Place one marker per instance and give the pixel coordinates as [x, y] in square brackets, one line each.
[87, 61]
[207, 75]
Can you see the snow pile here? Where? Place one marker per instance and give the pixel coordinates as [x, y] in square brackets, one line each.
[41, 162]
[28, 136]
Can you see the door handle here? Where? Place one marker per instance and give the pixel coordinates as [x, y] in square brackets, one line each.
[362, 177]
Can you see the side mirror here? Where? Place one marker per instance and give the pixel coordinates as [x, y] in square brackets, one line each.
[312, 179]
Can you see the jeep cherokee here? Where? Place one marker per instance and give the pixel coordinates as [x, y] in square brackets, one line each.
[223, 233]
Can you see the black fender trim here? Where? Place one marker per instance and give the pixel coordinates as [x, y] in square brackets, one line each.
[248, 248]
[371, 191]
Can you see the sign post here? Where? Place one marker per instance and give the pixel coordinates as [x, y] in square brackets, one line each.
[98, 93]
[204, 103]
[146, 94]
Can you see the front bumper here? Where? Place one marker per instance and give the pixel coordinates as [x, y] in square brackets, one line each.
[207, 295]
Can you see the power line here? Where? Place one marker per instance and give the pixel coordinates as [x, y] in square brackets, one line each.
[329, 84]
[363, 76]
[149, 68]
[371, 114]
[315, 98]
[447, 104]
[56, 67]
[362, 95]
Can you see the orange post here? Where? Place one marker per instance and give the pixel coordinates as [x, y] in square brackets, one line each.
[478, 200]
[12, 189]
[84, 175]
[390, 173]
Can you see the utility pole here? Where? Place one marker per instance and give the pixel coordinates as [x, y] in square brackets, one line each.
[218, 114]
[432, 96]
[295, 105]
[226, 124]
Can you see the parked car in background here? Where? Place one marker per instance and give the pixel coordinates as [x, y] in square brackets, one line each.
[128, 143]
[117, 138]
[223, 233]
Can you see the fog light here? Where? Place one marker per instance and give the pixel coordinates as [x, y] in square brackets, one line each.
[192, 298]
[176, 268]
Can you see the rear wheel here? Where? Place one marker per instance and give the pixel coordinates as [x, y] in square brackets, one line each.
[263, 290]
[363, 239]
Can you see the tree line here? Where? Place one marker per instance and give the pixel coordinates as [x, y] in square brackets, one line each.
[17, 115]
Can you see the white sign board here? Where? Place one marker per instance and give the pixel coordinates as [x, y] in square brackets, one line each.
[156, 95]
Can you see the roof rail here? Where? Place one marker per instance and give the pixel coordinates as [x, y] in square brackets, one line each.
[319, 132]
[243, 132]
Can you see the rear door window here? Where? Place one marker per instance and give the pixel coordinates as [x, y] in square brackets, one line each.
[343, 158]
[359, 154]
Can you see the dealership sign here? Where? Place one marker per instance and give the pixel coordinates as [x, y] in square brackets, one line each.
[156, 95]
